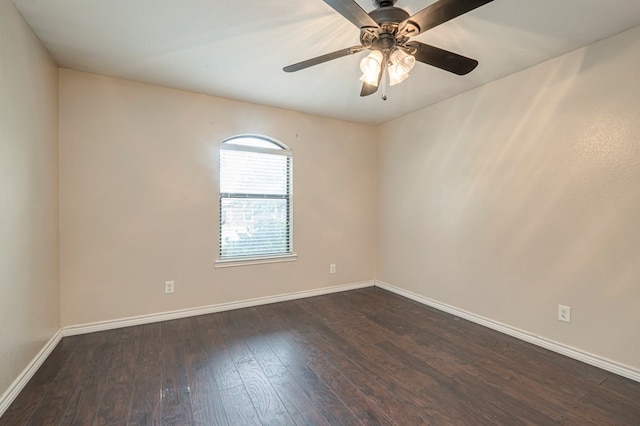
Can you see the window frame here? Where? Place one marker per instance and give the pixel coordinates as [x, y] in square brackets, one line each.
[282, 150]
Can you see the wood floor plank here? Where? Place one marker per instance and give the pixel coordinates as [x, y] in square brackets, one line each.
[208, 408]
[175, 398]
[144, 408]
[66, 382]
[206, 402]
[546, 397]
[605, 402]
[360, 406]
[114, 405]
[621, 388]
[83, 406]
[293, 350]
[328, 404]
[323, 356]
[238, 406]
[504, 407]
[365, 356]
[407, 382]
[439, 352]
[301, 409]
[448, 393]
[265, 399]
[258, 343]
[215, 339]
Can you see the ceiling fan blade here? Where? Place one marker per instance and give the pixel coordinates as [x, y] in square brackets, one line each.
[323, 58]
[440, 12]
[353, 12]
[442, 59]
[368, 89]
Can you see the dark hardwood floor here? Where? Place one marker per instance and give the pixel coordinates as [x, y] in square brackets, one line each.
[360, 357]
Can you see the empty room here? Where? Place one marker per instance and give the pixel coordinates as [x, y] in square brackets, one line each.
[324, 212]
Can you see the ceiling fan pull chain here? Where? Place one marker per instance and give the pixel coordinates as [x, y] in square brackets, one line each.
[385, 79]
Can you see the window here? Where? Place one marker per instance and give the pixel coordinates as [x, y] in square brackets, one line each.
[255, 199]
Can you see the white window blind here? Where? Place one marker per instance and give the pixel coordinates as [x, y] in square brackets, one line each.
[255, 199]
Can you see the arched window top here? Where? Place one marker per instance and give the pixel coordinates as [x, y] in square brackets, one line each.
[255, 141]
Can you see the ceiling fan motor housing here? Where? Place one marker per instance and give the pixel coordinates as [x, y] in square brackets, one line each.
[388, 19]
[389, 15]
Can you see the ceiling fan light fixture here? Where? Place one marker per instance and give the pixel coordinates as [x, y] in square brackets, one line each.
[400, 64]
[370, 66]
[369, 79]
[395, 78]
[387, 31]
[402, 60]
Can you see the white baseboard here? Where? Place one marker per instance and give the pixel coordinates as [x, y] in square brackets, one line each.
[21, 381]
[596, 361]
[203, 310]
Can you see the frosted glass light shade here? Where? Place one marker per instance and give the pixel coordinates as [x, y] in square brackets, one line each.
[370, 66]
[395, 78]
[401, 64]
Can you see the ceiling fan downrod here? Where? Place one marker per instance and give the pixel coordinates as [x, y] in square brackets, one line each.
[383, 3]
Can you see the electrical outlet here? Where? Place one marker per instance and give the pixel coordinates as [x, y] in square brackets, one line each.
[332, 268]
[564, 313]
[169, 287]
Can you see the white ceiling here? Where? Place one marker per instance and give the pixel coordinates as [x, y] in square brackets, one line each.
[237, 48]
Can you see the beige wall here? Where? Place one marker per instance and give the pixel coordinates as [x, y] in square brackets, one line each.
[139, 199]
[29, 301]
[524, 194]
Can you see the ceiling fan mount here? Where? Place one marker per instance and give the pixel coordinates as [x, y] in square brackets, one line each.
[387, 31]
[384, 3]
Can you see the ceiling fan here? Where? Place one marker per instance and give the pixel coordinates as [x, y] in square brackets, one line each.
[386, 31]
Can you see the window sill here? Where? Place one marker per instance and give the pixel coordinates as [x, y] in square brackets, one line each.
[255, 261]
